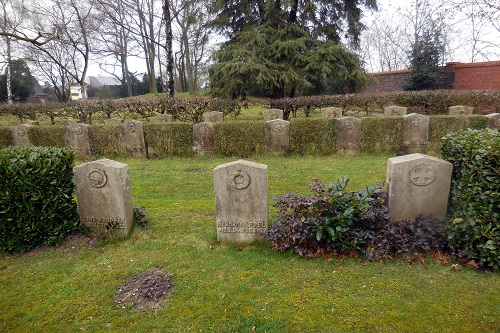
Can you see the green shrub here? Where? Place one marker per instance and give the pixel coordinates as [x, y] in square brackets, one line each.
[106, 140]
[47, 136]
[313, 136]
[439, 126]
[240, 139]
[381, 134]
[6, 137]
[475, 194]
[169, 139]
[36, 197]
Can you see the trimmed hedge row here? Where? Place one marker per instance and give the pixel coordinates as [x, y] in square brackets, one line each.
[475, 195]
[36, 197]
[308, 136]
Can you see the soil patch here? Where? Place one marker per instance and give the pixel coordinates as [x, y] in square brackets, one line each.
[71, 245]
[146, 291]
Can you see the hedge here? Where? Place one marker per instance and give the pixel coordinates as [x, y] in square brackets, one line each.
[240, 139]
[381, 134]
[47, 136]
[106, 140]
[6, 137]
[475, 194]
[175, 139]
[313, 136]
[36, 197]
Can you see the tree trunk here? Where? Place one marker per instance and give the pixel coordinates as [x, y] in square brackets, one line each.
[170, 58]
[8, 76]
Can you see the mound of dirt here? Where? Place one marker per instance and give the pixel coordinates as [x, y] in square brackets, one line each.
[147, 291]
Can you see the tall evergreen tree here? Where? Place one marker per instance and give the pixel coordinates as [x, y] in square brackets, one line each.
[286, 47]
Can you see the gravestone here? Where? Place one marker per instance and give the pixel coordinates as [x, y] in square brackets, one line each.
[395, 111]
[31, 122]
[494, 121]
[68, 122]
[104, 197]
[133, 139]
[203, 138]
[416, 133]
[241, 201]
[20, 135]
[418, 184]
[458, 110]
[272, 114]
[77, 138]
[213, 117]
[331, 112]
[277, 136]
[113, 121]
[349, 136]
[164, 118]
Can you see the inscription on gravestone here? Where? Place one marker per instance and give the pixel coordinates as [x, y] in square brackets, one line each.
[458, 110]
[104, 198]
[20, 135]
[272, 114]
[213, 116]
[241, 200]
[349, 136]
[416, 132]
[77, 137]
[133, 139]
[203, 138]
[395, 111]
[277, 136]
[418, 184]
[331, 112]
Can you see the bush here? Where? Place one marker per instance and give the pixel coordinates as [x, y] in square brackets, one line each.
[240, 139]
[439, 126]
[343, 222]
[381, 134]
[169, 139]
[475, 194]
[47, 136]
[106, 140]
[313, 136]
[6, 137]
[36, 197]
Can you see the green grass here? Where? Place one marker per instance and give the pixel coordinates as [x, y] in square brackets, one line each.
[219, 289]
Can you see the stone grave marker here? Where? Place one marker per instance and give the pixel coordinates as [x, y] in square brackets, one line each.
[104, 197]
[272, 114]
[241, 201]
[458, 110]
[331, 112]
[213, 117]
[494, 121]
[77, 138]
[418, 184]
[133, 139]
[277, 136]
[164, 118]
[416, 133]
[113, 121]
[395, 111]
[349, 136]
[20, 135]
[203, 138]
[68, 122]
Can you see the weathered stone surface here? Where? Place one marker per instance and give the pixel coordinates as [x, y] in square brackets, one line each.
[77, 138]
[31, 122]
[272, 114]
[418, 184]
[203, 138]
[458, 110]
[277, 136]
[113, 121]
[416, 132]
[133, 139]
[213, 117]
[104, 197]
[164, 118]
[494, 121]
[20, 135]
[349, 136]
[68, 122]
[395, 111]
[331, 112]
[241, 201]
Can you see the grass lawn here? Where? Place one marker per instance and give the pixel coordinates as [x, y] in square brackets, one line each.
[220, 288]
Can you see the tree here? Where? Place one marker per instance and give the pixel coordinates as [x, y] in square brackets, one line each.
[168, 46]
[22, 82]
[279, 47]
[425, 61]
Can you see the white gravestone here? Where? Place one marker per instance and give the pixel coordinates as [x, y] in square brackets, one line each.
[77, 136]
[459, 110]
[241, 201]
[133, 139]
[104, 197]
[416, 133]
[395, 111]
[203, 138]
[20, 135]
[494, 121]
[277, 136]
[272, 114]
[349, 136]
[213, 117]
[164, 118]
[418, 184]
[331, 112]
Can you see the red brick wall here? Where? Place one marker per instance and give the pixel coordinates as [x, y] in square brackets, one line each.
[478, 75]
[458, 76]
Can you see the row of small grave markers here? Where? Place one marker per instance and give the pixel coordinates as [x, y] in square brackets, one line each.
[416, 184]
[415, 134]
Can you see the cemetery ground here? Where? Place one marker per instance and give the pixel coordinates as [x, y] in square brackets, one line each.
[236, 288]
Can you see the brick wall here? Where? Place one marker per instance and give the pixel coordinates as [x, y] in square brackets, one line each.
[455, 75]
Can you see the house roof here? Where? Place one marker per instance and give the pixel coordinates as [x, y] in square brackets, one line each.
[100, 81]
